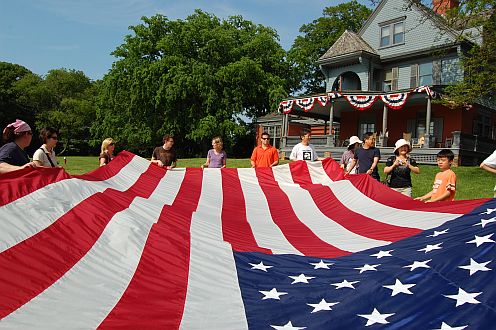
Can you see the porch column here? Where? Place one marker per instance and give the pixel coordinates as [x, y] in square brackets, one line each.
[284, 129]
[330, 137]
[384, 126]
[427, 124]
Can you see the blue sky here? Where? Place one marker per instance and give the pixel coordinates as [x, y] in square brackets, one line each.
[49, 34]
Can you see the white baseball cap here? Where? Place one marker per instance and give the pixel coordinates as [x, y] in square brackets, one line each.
[354, 139]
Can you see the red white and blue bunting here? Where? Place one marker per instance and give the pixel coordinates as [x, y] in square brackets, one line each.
[395, 101]
[286, 106]
[306, 104]
[360, 102]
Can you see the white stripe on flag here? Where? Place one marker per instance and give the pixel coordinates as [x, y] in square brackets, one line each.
[33, 213]
[323, 227]
[85, 295]
[318, 174]
[213, 299]
[355, 200]
[282, 174]
[266, 232]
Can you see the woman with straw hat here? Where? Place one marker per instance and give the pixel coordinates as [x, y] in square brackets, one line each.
[400, 166]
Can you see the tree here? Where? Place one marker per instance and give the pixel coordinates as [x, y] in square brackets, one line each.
[318, 37]
[479, 63]
[10, 109]
[195, 78]
[64, 99]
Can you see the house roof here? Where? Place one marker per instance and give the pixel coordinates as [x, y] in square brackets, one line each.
[348, 43]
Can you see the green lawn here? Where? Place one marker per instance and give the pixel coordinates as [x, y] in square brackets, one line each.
[472, 182]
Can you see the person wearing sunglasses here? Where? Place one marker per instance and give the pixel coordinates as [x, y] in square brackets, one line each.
[17, 136]
[107, 151]
[45, 155]
[264, 155]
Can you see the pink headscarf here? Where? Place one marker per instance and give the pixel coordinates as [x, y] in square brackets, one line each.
[19, 126]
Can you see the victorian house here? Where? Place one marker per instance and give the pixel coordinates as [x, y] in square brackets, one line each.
[388, 78]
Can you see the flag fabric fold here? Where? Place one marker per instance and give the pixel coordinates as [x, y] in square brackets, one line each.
[297, 246]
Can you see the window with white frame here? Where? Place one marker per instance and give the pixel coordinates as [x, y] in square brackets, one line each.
[390, 82]
[392, 34]
[421, 75]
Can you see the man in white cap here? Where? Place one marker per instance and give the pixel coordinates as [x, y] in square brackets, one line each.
[348, 155]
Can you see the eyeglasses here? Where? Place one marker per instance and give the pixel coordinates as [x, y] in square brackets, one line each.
[265, 138]
[111, 144]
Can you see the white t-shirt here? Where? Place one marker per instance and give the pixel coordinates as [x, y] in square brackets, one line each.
[41, 156]
[302, 152]
[491, 162]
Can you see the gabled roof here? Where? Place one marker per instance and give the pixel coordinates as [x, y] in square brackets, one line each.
[348, 43]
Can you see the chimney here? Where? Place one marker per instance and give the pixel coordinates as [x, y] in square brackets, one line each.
[441, 6]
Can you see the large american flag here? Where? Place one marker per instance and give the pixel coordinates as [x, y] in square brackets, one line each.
[292, 247]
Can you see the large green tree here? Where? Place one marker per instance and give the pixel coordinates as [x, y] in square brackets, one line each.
[10, 109]
[195, 78]
[318, 37]
[64, 99]
[479, 64]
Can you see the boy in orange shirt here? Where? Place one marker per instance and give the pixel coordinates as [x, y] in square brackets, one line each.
[444, 187]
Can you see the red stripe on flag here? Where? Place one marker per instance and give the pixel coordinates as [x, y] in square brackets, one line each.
[17, 184]
[156, 295]
[332, 169]
[332, 208]
[298, 235]
[31, 266]
[384, 195]
[235, 227]
[300, 173]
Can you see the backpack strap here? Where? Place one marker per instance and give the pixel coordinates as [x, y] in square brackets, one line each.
[48, 156]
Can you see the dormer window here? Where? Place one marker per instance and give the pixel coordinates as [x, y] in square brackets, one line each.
[392, 33]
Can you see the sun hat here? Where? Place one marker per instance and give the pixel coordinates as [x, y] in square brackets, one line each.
[19, 126]
[354, 139]
[400, 143]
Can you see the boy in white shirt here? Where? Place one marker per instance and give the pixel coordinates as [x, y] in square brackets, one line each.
[304, 150]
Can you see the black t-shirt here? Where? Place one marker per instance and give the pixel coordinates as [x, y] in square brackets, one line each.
[12, 154]
[400, 176]
[365, 158]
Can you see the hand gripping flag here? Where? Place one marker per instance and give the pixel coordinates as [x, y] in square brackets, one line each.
[296, 246]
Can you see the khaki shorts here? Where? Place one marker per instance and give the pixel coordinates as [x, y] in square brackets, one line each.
[405, 191]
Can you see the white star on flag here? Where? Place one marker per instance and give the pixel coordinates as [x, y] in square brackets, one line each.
[367, 267]
[484, 222]
[464, 297]
[322, 306]
[418, 264]
[488, 211]
[381, 254]
[437, 233]
[321, 264]
[479, 240]
[375, 317]
[345, 284]
[261, 266]
[301, 278]
[287, 326]
[272, 294]
[399, 287]
[431, 247]
[445, 326]
[474, 266]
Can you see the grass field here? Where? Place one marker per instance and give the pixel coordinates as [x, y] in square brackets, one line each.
[472, 182]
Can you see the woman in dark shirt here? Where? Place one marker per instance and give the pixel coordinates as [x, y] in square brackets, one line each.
[17, 136]
[400, 166]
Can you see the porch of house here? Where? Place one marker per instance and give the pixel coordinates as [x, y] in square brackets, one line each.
[469, 150]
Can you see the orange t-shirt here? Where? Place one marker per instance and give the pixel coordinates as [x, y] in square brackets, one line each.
[264, 157]
[444, 181]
